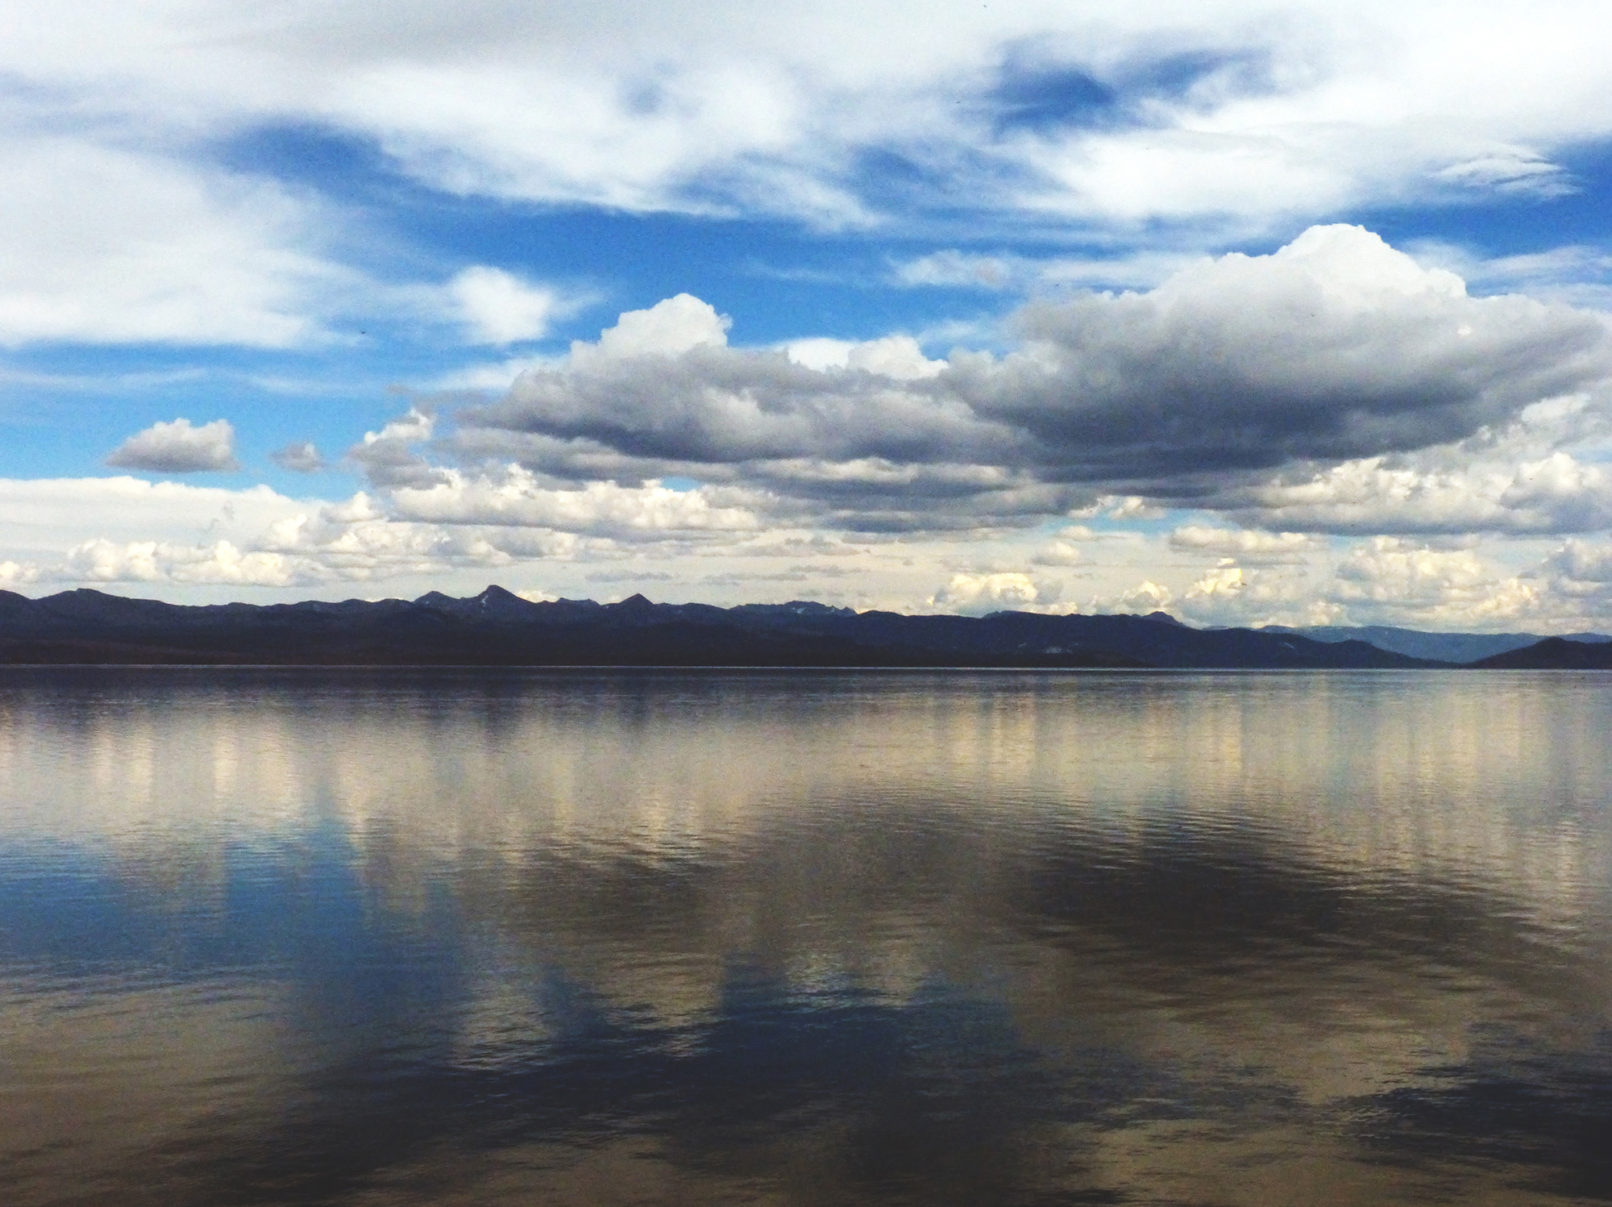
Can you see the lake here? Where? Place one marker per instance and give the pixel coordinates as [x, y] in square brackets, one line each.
[410, 937]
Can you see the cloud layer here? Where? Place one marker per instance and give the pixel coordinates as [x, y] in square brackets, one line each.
[1153, 110]
[137, 218]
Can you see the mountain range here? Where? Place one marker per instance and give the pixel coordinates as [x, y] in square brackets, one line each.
[499, 628]
[1435, 647]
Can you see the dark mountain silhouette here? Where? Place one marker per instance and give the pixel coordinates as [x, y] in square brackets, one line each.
[1554, 653]
[1439, 647]
[498, 628]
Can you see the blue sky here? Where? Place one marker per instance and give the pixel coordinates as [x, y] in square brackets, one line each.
[1253, 312]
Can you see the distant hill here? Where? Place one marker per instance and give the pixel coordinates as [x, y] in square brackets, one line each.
[1437, 647]
[1555, 653]
[498, 628]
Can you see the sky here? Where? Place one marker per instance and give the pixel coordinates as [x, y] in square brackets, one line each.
[1253, 313]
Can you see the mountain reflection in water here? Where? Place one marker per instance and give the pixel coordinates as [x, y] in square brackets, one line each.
[481, 937]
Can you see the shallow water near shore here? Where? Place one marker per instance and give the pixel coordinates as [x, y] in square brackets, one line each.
[378, 937]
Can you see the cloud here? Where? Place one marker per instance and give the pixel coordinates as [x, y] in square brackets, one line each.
[1335, 346]
[1333, 350]
[299, 457]
[178, 448]
[111, 245]
[899, 357]
[1394, 581]
[1243, 386]
[497, 307]
[1453, 489]
[1188, 112]
[123, 529]
[952, 268]
[1058, 553]
[1583, 562]
[677, 325]
[104, 561]
[1243, 545]
[1574, 585]
[1146, 596]
[514, 497]
[1576, 274]
[993, 592]
[14, 575]
[45, 515]
[358, 541]
[488, 377]
[723, 544]
[172, 535]
[391, 456]
[1119, 507]
[663, 384]
[1283, 593]
[1209, 125]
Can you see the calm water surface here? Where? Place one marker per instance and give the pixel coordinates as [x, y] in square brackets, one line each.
[609, 938]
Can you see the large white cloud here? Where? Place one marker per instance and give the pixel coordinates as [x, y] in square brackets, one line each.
[1334, 350]
[1335, 346]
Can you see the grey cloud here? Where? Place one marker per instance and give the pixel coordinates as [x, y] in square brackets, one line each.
[873, 495]
[299, 457]
[391, 456]
[1579, 562]
[727, 405]
[1335, 348]
[178, 448]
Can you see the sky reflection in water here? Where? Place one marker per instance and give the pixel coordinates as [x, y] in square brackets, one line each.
[457, 938]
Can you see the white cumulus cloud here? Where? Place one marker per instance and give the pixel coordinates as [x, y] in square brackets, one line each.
[497, 307]
[177, 447]
[989, 592]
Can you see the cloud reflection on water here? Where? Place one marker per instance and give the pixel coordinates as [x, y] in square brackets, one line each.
[816, 938]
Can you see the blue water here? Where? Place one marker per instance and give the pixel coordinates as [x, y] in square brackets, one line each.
[804, 938]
